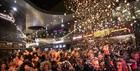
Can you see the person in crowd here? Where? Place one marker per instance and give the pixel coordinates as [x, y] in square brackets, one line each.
[65, 65]
[107, 57]
[3, 67]
[45, 66]
[26, 66]
[12, 66]
[135, 61]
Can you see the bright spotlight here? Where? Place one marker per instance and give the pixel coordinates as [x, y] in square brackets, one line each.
[60, 46]
[14, 8]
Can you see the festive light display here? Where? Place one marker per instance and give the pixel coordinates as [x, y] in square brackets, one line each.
[92, 12]
[101, 18]
[94, 15]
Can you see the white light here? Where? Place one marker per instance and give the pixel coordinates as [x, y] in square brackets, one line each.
[131, 24]
[64, 45]
[62, 25]
[20, 44]
[37, 40]
[78, 37]
[73, 16]
[118, 8]
[7, 17]
[37, 44]
[23, 36]
[14, 8]
[65, 14]
[138, 11]
[60, 46]
[31, 44]
[15, 1]
[117, 0]
[133, 17]
[62, 20]
[124, 11]
[56, 46]
[46, 49]
[57, 42]
[9, 43]
[75, 21]
[135, 21]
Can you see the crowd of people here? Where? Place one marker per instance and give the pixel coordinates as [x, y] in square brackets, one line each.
[103, 58]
